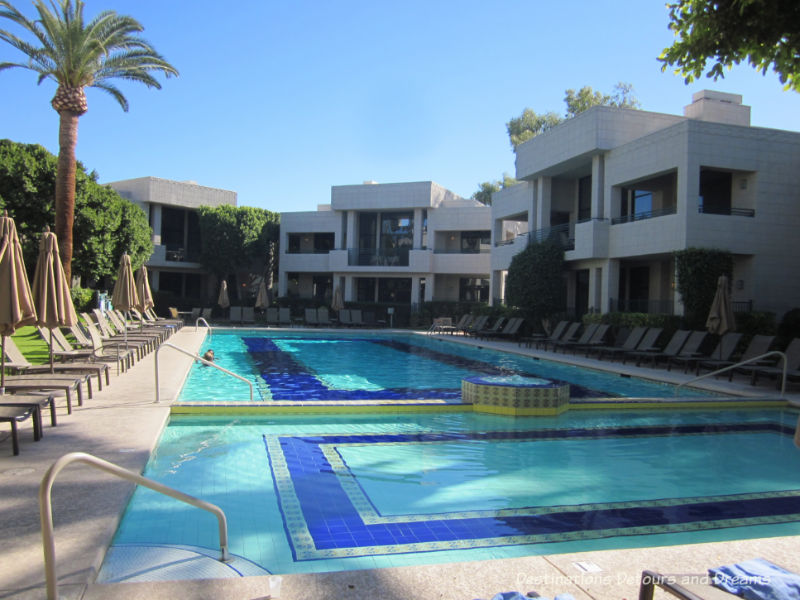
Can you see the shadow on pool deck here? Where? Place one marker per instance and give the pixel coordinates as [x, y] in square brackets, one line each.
[122, 424]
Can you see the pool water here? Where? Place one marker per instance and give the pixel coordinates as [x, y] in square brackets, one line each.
[363, 366]
[322, 493]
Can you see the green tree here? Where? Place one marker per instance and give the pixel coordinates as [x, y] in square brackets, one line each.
[697, 271]
[237, 239]
[77, 54]
[106, 225]
[762, 32]
[487, 188]
[530, 124]
[535, 281]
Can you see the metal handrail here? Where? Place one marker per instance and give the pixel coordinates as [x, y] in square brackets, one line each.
[46, 508]
[208, 363]
[197, 322]
[739, 364]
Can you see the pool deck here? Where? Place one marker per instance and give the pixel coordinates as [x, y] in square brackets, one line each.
[122, 424]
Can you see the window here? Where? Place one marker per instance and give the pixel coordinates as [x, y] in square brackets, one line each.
[192, 237]
[393, 290]
[365, 289]
[473, 290]
[173, 233]
[715, 191]
[475, 242]
[294, 243]
[323, 243]
[322, 287]
[585, 198]
[170, 282]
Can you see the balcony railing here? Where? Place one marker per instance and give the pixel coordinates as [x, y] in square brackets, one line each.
[362, 257]
[308, 250]
[652, 214]
[463, 251]
[726, 210]
[510, 241]
[562, 234]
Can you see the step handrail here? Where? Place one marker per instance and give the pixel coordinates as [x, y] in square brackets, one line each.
[197, 323]
[46, 508]
[208, 363]
[739, 364]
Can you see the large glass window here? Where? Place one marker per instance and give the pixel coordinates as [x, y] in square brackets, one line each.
[323, 243]
[585, 198]
[192, 237]
[394, 290]
[322, 287]
[472, 289]
[173, 232]
[715, 191]
[475, 242]
[397, 236]
[170, 282]
[365, 289]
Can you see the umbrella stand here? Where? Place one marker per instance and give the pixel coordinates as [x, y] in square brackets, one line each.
[51, 351]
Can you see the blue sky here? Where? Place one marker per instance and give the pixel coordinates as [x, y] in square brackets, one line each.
[279, 101]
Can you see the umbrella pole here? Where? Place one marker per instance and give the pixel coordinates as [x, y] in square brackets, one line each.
[3, 367]
[51, 351]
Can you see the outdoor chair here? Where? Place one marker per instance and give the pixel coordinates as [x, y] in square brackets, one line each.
[311, 317]
[511, 329]
[598, 339]
[284, 316]
[569, 334]
[648, 343]
[22, 366]
[272, 316]
[690, 353]
[672, 348]
[235, 315]
[14, 415]
[139, 326]
[46, 382]
[628, 345]
[111, 338]
[556, 334]
[248, 314]
[323, 317]
[477, 325]
[355, 317]
[587, 334]
[467, 323]
[61, 348]
[759, 344]
[205, 314]
[38, 402]
[115, 352]
[487, 331]
[344, 317]
[174, 321]
[459, 326]
[725, 347]
[792, 354]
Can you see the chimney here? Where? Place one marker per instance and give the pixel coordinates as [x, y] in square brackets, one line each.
[718, 107]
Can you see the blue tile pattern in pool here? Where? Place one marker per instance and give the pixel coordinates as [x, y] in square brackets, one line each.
[290, 379]
[328, 513]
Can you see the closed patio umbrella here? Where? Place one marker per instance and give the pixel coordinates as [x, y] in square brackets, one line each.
[720, 317]
[124, 296]
[143, 292]
[16, 301]
[337, 303]
[51, 295]
[262, 298]
[223, 299]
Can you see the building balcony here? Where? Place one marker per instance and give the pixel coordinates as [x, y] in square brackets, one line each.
[652, 214]
[173, 256]
[370, 257]
[590, 239]
[461, 262]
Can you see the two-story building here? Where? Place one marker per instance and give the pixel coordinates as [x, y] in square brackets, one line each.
[401, 243]
[171, 207]
[623, 189]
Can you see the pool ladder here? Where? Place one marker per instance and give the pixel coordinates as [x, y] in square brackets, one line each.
[739, 364]
[46, 508]
[202, 360]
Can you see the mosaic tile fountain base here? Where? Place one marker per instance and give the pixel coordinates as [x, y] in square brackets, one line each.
[515, 396]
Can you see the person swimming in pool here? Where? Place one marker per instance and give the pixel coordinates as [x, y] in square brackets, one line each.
[209, 356]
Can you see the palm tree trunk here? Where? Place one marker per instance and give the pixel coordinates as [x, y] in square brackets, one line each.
[65, 187]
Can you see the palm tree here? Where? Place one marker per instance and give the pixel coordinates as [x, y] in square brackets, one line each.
[76, 54]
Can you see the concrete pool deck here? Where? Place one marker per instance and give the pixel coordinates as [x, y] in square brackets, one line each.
[122, 424]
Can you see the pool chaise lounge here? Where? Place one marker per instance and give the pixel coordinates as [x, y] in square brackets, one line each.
[22, 366]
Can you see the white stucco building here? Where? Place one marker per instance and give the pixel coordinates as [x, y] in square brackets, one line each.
[623, 189]
[401, 243]
[171, 208]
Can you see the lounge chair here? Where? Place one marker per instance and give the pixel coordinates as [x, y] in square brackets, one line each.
[556, 334]
[759, 344]
[569, 334]
[142, 345]
[311, 317]
[477, 325]
[632, 340]
[598, 339]
[725, 347]
[511, 330]
[272, 316]
[14, 415]
[139, 327]
[65, 384]
[61, 347]
[235, 315]
[205, 314]
[117, 353]
[467, 323]
[22, 365]
[248, 314]
[284, 317]
[323, 317]
[792, 354]
[344, 317]
[487, 331]
[648, 343]
[672, 348]
[587, 334]
[459, 326]
[355, 317]
[174, 320]
[38, 402]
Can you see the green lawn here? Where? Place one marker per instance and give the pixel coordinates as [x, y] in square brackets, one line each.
[32, 345]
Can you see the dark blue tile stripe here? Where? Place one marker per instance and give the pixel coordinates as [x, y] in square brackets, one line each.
[288, 379]
[334, 523]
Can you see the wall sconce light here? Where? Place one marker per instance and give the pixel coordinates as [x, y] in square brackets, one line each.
[452, 237]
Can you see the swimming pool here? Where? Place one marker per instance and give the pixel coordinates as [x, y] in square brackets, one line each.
[339, 492]
[293, 367]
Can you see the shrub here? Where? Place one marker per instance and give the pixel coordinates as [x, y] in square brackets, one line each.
[535, 282]
[789, 327]
[697, 272]
[84, 299]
